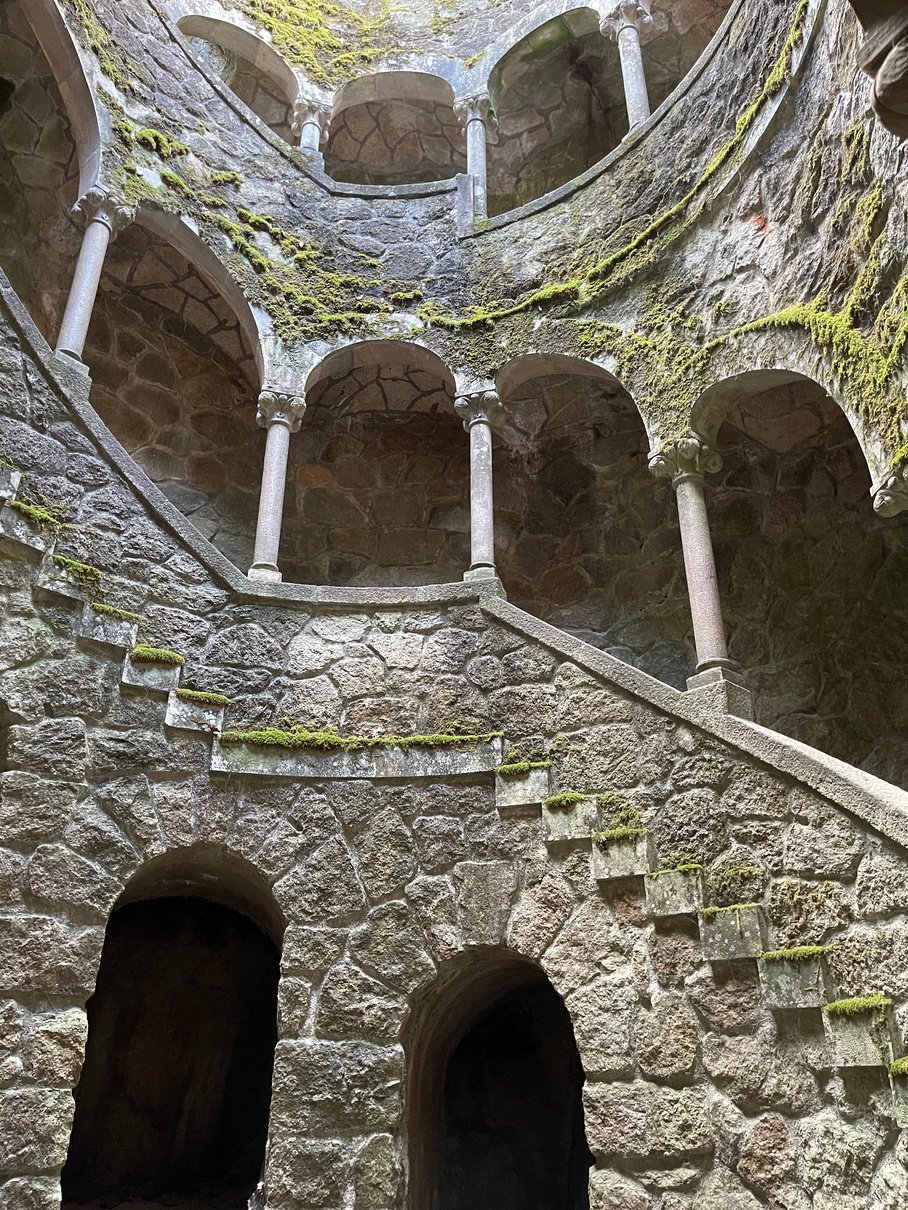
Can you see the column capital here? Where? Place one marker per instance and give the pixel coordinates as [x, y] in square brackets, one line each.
[306, 112]
[102, 205]
[626, 14]
[891, 496]
[479, 407]
[475, 108]
[280, 407]
[689, 455]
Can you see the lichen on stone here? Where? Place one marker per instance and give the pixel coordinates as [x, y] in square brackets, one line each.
[142, 653]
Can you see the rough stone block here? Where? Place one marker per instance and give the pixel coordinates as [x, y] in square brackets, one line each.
[674, 892]
[733, 932]
[642, 1121]
[157, 679]
[21, 540]
[55, 748]
[304, 1174]
[577, 822]
[485, 893]
[9, 482]
[860, 1041]
[110, 635]
[324, 1087]
[58, 584]
[791, 985]
[438, 763]
[40, 954]
[34, 1129]
[192, 716]
[522, 795]
[627, 858]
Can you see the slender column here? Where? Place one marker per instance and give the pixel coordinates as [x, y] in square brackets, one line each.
[106, 214]
[891, 496]
[479, 411]
[476, 117]
[310, 123]
[623, 24]
[685, 463]
[281, 414]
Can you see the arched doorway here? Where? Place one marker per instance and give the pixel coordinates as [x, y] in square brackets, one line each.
[173, 1102]
[495, 1097]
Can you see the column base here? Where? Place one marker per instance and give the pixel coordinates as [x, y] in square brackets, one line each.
[264, 571]
[723, 690]
[482, 571]
[73, 360]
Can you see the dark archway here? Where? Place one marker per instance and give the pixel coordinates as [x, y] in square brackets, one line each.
[174, 1097]
[495, 1098]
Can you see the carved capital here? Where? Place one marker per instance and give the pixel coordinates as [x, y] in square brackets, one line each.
[688, 455]
[280, 407]
[479, 407]
[891, 496]
[477, 108]
[627, 14]
[311, 113]
[884, 56]
[102, 205]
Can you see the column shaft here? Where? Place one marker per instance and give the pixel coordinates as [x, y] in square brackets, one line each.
[700, 570]
[271, 501]
[311, 135]
[636, 95]
[482, 531]
[477, 165]
[84, 289]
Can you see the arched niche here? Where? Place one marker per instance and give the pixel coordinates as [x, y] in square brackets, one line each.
[558, 92]
[494, 1094]
[175, 377]
[173, 1101]
[250, 68]
[39, 175]
[814, 583]
[395, 128]
[378, 480]
[586, 538]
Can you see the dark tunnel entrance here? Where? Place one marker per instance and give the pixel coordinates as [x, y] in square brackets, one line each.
[173, 1102]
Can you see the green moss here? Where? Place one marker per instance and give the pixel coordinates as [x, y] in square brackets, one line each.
[608, 836]
[729, 884]
[403, 297]
[796, 953]
[731, 907]
[681, 863]
[859, 1006]
[519, 767]
[330, 41]
[112, 59]
[227, 177]
[115, 611]
[143, 654]
[296, 735]
[174, 181]
[203, 697]
[85, 574]
[42, 516]
[899, 1067]
[564, 800]
[163, 145]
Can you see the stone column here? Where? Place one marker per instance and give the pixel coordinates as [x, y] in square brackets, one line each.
[891, 496]
[476, 116]
[105, 215]
[623, 24]
[479, 411]
[281, 414]
[685, 464]
[310, 123]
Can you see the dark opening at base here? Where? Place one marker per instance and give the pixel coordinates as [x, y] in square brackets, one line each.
[172, 1107]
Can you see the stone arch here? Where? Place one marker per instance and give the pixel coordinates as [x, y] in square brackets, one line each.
[395, 128]
[173, 1100]
[453, 1026]
[249, 66]
[813, 581]
[177, 360]
[41, 169]
[586, 538]
[378, 482]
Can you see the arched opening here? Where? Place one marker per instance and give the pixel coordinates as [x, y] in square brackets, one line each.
[586, 538]
[814, 583]
[172, 1105]
[495, 1094]
[39, 176]
[378, 481]
[250, 68]
[559, 94]
[395, 128]
[175, 379]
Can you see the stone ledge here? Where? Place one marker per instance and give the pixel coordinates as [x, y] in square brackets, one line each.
[380, 763]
